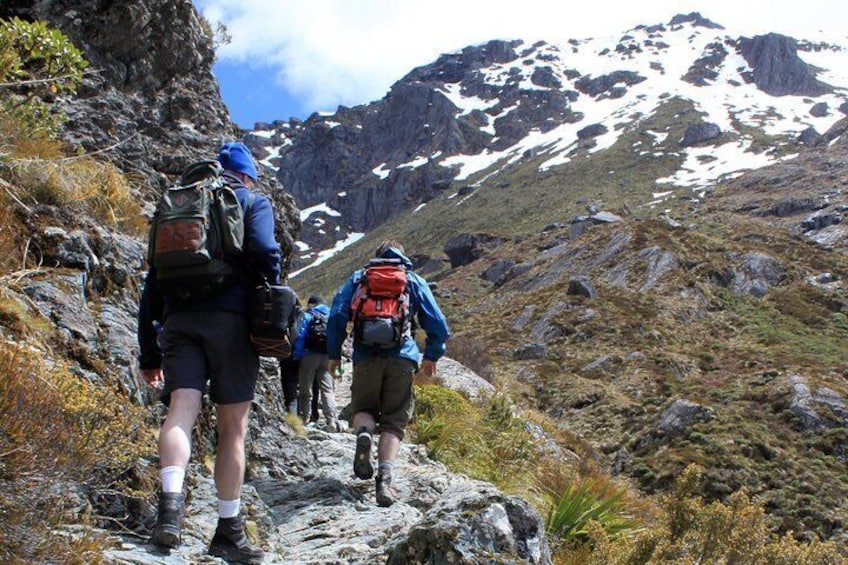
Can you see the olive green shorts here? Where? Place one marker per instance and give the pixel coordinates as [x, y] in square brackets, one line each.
[382, 386]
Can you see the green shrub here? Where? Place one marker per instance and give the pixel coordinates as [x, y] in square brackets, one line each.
[52, 422]
[37, 64]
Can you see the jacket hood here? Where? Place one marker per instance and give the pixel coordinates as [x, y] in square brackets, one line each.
[323, 308]
[395, 253]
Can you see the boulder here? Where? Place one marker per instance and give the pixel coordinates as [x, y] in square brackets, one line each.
[474, 526]
[591, 131]
[700, 133]
[819, 110]
[465, 248]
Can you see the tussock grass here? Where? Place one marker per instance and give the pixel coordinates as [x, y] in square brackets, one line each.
[98, 187]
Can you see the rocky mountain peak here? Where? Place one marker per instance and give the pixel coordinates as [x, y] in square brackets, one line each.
[446, 126]
[695, 19]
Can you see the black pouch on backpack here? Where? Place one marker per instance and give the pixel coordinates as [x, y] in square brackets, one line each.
[272, 309]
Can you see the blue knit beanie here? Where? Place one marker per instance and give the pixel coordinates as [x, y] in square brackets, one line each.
[235, 156]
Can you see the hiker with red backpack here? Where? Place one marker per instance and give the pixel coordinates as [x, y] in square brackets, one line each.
[384, 300]
[310, 350]
[197, 291]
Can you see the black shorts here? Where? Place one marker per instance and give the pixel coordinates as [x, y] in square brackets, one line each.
[213, 347]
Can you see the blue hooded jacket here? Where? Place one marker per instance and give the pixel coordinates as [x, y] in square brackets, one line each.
[422, 305]
[262, 257]
[300, 349]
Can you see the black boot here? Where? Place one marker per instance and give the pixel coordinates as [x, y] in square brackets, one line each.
[362, 467]
[231, 544]
[385, 493]
[166, 533]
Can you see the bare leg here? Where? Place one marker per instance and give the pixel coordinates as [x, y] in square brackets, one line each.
[175, 435]
[230, 456]
[364, 419]
[388, 447]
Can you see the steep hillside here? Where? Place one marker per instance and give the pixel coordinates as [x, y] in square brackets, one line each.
[716, 337]
[610, 254]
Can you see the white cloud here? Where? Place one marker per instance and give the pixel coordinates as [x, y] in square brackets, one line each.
[331, 52]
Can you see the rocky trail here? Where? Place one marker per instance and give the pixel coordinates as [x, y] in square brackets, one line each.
[304, 506]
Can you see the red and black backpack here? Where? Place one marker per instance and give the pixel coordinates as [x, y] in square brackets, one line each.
[381, 305]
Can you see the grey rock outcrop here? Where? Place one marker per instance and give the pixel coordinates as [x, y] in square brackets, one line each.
[608, 84]
[707, 67]
[151, 104]
[696, 19]
[456, 376]
[152, 98]
[777, 69]
[809, 136]
[753, 273]
[497, 269]
[817, 410]
[675, 421]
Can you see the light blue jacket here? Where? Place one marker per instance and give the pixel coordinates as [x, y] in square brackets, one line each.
[422, 306]
[300, 349]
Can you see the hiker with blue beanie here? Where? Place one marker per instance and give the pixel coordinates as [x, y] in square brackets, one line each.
[205, 345]
[237, 159]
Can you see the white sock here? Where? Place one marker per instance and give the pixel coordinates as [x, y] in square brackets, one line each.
[229, 508]
[385, 468]
[172, 478]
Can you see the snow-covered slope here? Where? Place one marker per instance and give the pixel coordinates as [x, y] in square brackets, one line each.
[463, 119]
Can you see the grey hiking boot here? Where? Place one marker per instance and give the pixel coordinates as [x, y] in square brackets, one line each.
[386, 495]
[230, 543]
[362, 467]
[166, 533]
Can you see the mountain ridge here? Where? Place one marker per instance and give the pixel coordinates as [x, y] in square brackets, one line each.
[444, 123]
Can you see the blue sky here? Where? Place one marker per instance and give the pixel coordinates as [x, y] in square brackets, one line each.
[290, 58]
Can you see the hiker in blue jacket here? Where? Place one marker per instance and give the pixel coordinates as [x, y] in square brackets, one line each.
[311, 352]
[207, 339]
[381, 392]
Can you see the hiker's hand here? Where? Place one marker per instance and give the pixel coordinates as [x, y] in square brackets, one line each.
[428, 368]
[153, 377]
[334, 366]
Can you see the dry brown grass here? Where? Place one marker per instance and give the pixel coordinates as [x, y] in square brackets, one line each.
[53, 422]
[98, 187]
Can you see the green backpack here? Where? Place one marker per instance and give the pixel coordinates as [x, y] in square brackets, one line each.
[197, 234]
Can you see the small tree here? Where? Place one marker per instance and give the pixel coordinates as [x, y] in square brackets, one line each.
[37, 64]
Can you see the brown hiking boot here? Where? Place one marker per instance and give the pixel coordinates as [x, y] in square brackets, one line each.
[362, 467]
[230, 543]
[386, 495]
[166, 533]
